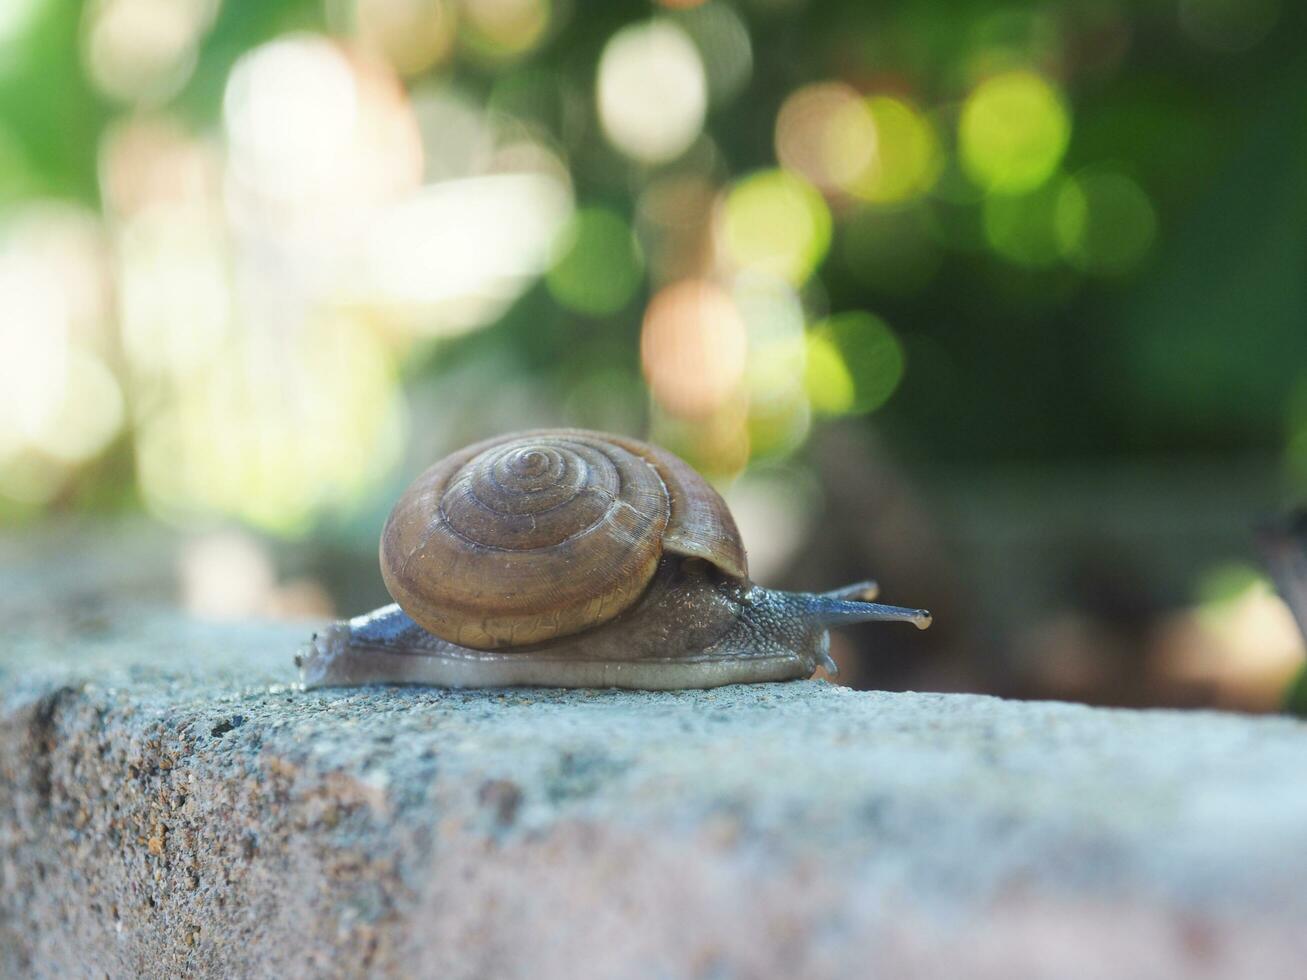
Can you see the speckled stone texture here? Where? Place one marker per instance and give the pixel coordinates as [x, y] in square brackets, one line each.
[171, 805]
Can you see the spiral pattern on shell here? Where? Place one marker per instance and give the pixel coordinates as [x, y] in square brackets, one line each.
[526, 538]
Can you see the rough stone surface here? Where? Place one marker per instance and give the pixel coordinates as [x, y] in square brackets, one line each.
[171, 805]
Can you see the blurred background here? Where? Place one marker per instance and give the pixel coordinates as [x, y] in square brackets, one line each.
[1003, 303]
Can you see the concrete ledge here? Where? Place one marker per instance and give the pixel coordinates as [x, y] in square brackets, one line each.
[170, 805]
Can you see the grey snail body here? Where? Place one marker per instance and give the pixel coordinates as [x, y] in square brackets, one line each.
[570, 558]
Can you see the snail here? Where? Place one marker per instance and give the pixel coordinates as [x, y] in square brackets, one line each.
[571, 558]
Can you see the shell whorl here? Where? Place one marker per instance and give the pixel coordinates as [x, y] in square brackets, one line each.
[528, 537]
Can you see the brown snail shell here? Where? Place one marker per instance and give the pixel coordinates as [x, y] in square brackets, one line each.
[569, 558]
[526, 538]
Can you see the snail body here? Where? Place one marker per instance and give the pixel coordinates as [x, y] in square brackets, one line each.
[570, 558]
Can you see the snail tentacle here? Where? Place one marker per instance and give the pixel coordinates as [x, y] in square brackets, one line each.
[864, 591]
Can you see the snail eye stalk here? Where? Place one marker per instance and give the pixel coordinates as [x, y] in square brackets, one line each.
[826, 610]
[865, 591]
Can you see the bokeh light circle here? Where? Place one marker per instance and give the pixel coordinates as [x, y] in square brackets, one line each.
[316, 131]
[724, 45]
[412, 35]
[291, 111]
[693, 347]
[91, 413]
[598, 265]
[827, 133]
[502, 30]
[854, 364]
[652, 91]
[1105, 223]
[1013, 132]
[907, 158]
[1025, 228]
[775, 222]
[773, 318]
[144, 50]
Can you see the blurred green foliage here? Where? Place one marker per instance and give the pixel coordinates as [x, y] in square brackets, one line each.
[1084, 239]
